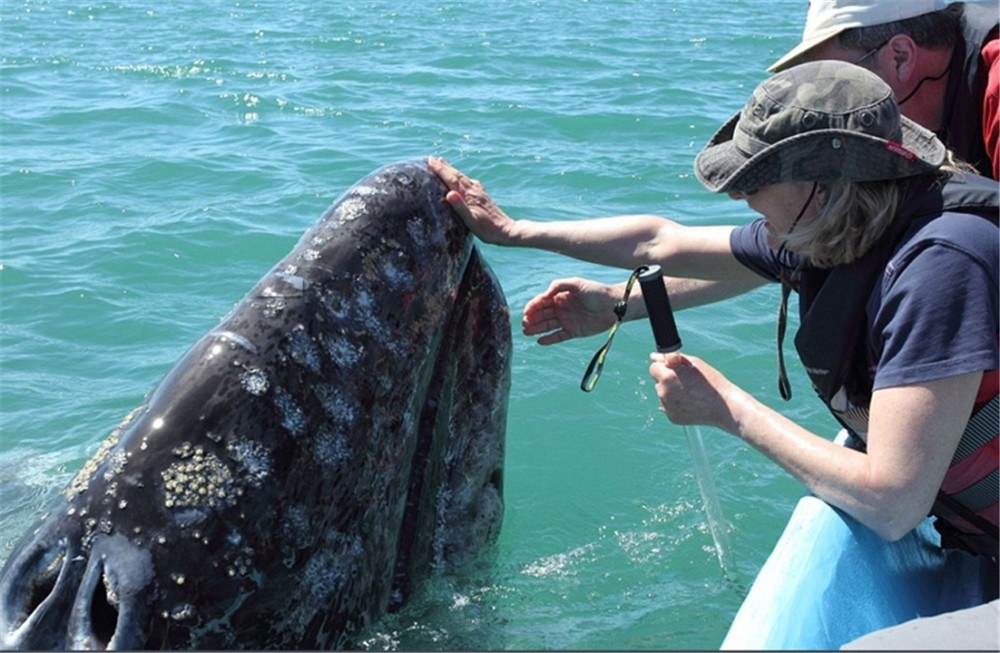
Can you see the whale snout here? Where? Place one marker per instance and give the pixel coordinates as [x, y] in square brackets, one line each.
[102, 597]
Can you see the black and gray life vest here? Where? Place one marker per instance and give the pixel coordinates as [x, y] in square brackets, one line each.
[831, 344]
[963, 119]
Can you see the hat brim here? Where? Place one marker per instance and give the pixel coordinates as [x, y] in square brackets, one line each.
[822, 155]
[793, 55]
[838, 17]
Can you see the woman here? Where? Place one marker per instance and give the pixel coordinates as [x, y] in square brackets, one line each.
[896, 269]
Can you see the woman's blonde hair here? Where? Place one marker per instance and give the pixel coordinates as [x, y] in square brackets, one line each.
[852, 217]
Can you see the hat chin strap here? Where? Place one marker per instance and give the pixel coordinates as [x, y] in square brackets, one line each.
[795, 222]
[784, 387]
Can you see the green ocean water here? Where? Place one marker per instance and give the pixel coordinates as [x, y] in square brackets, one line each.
[156, 159]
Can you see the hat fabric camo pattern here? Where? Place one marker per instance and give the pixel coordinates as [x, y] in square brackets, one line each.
[822, 121]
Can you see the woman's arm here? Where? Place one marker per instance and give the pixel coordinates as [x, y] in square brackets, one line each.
[913, 433]
[575, 307]
[626, 241]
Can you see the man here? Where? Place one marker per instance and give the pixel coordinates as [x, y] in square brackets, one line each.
[940, 61]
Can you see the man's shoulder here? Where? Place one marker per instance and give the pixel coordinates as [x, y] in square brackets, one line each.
[980, 14]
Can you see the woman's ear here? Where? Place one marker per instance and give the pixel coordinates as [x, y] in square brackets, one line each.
[820, 195]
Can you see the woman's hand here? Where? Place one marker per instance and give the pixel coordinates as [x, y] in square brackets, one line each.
[693, 392]
[571, 308]
[471, 202]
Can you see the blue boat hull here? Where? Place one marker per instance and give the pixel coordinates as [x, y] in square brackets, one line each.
[830, 580]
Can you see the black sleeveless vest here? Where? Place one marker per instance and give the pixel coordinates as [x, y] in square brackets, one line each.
[832, 345]
[963, 120]
[832, 302]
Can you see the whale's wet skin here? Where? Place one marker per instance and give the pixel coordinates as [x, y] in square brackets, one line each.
[335, 438]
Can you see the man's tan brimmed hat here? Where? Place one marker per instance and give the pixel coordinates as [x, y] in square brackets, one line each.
[828, 18]
[823, 121]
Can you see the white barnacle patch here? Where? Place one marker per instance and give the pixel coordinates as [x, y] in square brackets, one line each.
[399, 348]
[364, 302]
[444, 508]
[417, 230]
[335, 305]
[341, 349]
[253, 459]
[323, 576]
[274, 302]
[338, 404]
[296, 533]
[368, 314]
[329, 570]
[238, 568]
[330, 448]
[184, 612]
[369, 191]
[82, 479]
[255, 381]
[292, 417]
[110, 592]
[116, 465]
[295, 526]
[396, 275]
[274, 306]
[89, 532]
[352, 207]
[199, 480]
[303, 350]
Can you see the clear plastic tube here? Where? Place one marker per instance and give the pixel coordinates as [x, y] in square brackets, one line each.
[661, 318]
[710, 501]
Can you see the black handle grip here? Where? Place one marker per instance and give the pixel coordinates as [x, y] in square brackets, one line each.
[661, 317]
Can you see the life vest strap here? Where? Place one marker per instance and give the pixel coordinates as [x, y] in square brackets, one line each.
[982, 428]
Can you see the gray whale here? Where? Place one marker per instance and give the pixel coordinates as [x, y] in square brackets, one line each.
[338, 436]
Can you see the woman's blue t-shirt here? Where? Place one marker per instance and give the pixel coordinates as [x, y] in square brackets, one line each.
[934, 313]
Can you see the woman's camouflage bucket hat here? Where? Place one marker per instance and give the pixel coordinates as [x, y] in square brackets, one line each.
[820, 121]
